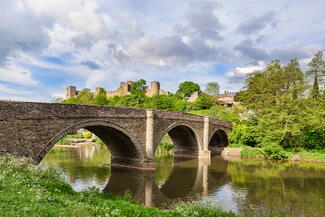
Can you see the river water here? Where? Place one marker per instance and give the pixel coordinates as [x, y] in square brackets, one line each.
[243, 186]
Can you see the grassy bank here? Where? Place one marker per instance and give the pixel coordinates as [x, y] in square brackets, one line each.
[279, 153]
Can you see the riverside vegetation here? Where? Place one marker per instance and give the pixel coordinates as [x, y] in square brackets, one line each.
[29, 190]
[281, 108]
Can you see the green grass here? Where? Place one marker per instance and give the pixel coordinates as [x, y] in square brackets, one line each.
[200, 112]
[237, 146]
[313, 155]
[29, 190]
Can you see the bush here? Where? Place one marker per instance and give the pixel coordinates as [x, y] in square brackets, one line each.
[63, 142]
[275, 151]
[251, 152]
[243, 134]
[204, 101]
[237, 146]
[87, 135]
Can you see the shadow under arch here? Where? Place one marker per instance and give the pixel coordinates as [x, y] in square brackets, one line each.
[218, 141]
[122, 148]
[185, 139]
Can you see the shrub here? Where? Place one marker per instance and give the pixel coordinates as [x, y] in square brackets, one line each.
[251, 152]
[275, 151]
[204, 101]
[243, 134]
[87, 135]
[237, 146]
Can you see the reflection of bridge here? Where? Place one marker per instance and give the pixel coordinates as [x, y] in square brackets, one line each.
[186, 180]
[132, 134]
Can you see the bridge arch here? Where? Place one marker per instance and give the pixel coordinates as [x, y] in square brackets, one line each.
[219, 139]
[185, 138]
[121, 145]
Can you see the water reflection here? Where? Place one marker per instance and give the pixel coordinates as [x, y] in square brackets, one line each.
[243, 186]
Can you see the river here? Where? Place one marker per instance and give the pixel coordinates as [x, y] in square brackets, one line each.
[243, 186]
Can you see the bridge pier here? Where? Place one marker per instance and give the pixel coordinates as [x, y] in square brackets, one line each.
[204, 151]
[149, 161]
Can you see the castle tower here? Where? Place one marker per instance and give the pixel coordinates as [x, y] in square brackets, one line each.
[154, 88]
[71, 92]
[97, 91]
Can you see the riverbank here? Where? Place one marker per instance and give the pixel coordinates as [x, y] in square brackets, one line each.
[29, 190]
[315, 156]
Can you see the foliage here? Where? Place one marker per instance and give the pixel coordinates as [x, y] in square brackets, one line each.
[282, 114]
[29, 190]
[165, 147]
[243, 134]
[275, 151]
[314, 155]
[204, 101]
[168, 102]
[100, 98]
[317, 73]
[137, 88]
[99, 142]
[273, 85]
[251, 152]
[63, 142]
[212, 89]
[234, 145]
[187, 88]
[87, 135]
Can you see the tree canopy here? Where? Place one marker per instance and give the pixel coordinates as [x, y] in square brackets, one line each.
[187, 88]
[212, 89]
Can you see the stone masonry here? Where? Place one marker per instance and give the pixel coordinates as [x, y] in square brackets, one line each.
[132, 134]
[124, 89]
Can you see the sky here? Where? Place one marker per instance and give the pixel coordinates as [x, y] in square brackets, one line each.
[47, 45]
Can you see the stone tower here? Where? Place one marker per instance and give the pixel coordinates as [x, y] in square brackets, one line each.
[155, 87]
[71, 92]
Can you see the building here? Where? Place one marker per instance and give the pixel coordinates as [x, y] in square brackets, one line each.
[124, 89]
[227, 98]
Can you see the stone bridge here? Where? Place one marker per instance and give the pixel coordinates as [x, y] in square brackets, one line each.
[131, 134]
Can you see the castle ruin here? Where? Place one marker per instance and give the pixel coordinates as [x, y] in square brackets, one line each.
[124, 89]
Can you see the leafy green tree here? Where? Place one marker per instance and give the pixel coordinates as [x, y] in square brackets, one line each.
[137, 88]
[212, 89]
[165, 102]
[317, 72]
[187, 88]
[100, 98]
[273, 85]
[204, 101]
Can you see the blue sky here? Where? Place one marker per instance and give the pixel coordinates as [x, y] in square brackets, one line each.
[46, 45]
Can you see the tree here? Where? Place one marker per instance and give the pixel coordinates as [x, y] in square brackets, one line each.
[187, 88]
[204, 101]
[317, 72]
[294, 78]
[85, 96]
[100, 98]
[212, 89]
[137, 88]
[273, 85]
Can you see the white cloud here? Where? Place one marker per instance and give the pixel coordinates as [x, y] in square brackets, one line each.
[16, 74]
[239, 73]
